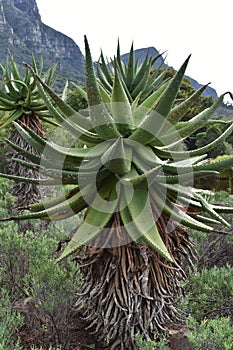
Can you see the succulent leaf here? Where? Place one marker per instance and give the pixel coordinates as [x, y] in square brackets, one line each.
[167, 100]
[120, 106]
[95, 220]
[142, 217]
[179, 111]
[99, 115]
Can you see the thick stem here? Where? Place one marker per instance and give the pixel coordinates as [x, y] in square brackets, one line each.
[130, 289]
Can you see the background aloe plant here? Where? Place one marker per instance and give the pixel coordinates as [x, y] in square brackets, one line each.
[21, 102]
[133, 178]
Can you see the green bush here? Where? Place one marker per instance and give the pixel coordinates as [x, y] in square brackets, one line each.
[209, 293]
[35, 291]
[216, 334]
[10, 322]
[6, 199]
[42, 289]
[160, 343]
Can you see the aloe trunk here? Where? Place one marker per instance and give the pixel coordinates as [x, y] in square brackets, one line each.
[25, 194]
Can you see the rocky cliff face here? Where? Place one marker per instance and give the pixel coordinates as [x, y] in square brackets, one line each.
[23, 33]
[140, 55]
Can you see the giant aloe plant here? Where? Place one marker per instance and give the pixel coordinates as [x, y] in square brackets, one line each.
[133, 178]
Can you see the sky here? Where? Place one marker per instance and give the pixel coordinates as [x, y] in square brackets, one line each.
[202, 28]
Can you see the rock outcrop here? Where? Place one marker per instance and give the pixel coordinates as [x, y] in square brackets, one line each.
[23, 33]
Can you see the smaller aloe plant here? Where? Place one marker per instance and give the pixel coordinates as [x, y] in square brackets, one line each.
[20, 95]
[20, 100]
[133, 178]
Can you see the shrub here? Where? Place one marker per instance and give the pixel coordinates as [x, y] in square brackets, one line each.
[10, 322]
[209, 293]
[35, 291]
[160, 343]
[216, 334]
[42, 290]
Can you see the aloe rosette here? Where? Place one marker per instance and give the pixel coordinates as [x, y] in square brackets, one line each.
[133, 179]
[138, 145]
[19, 95]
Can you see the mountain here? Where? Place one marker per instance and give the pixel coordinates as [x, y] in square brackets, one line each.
[140, 55]
[23, 33]
[209, 91]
